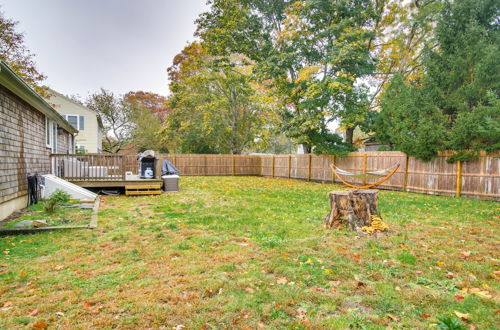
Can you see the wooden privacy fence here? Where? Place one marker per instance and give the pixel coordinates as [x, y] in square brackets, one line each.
[476, 178]
[203, 165]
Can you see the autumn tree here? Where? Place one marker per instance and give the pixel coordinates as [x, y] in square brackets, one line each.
[14, 52]
[117, 119]
[155, 103]
[215, 106]
[148, 114]
[402, 31]
[311, 55]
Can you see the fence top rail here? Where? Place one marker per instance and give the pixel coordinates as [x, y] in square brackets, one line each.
[85, 155]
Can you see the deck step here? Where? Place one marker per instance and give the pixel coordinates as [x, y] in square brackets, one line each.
[143, 190]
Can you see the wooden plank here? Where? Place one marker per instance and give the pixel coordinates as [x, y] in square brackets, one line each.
[458, 189]
[139, 192]
[143, 187]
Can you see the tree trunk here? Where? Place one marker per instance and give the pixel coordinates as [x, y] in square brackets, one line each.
[349, 134]
[353, 209]
[306, 148]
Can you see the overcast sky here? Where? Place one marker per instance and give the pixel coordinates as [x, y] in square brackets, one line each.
[120, 45]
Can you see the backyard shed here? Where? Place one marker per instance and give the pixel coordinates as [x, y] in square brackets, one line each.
[30, 131]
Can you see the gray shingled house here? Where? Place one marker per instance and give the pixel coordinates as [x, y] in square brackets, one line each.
[30, 131]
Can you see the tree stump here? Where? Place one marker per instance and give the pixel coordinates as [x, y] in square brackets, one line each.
[353, 209]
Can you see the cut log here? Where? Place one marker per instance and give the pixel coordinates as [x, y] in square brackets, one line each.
[352, 209]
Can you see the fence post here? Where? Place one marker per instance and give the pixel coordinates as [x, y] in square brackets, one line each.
[123, 168]
[260, 166]
[459, 178]
[405, 180]
[364, 167]
[309, 168]
[234, 166]
[273, 167]
[333, 174]
[289, 166]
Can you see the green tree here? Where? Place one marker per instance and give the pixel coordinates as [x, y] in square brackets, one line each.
[13, 51]
[311, 55]
[215, 106]
[410, 122]
[461, 83]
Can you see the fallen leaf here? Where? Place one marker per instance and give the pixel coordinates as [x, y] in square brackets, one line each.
[465, 254]
[88, 305]
[462, 316]
[459, 297]
[6, 252]
[483, 294]
[34, 312]
[249, 290]
[40, 325]
[22, 274]
[397, 288]
[58, 267]
[425, 315]
[301, 310]
[7, 304]
[282, 280]
[440, 263]
[418, 272]
[334, 283]
[450, 275]
[392, 317]
[60, 314]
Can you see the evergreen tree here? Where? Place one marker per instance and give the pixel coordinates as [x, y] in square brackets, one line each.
[455, 105]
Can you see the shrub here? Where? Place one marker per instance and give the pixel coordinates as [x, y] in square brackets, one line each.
[55, 200]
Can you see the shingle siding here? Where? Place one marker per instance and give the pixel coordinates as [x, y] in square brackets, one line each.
[22, 145]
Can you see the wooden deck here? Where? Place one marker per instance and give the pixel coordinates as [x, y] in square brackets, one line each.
[116, 183]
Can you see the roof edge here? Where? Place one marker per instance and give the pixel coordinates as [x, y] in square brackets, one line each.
[99, 121]
[15, 84]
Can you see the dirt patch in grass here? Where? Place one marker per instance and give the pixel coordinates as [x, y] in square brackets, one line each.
[237, 252]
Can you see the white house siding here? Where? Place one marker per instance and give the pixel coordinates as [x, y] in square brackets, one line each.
[90, 137]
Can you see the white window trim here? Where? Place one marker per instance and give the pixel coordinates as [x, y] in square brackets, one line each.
[48, 127]
[52, 130]
[77, 120]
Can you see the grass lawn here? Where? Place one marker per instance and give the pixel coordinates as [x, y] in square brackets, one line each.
[237, 252]
[64, 216]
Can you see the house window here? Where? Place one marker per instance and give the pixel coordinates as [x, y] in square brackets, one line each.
[51, 134]
[76, 121]
[80, 149]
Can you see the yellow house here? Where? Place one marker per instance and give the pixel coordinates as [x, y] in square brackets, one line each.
[85, 120]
